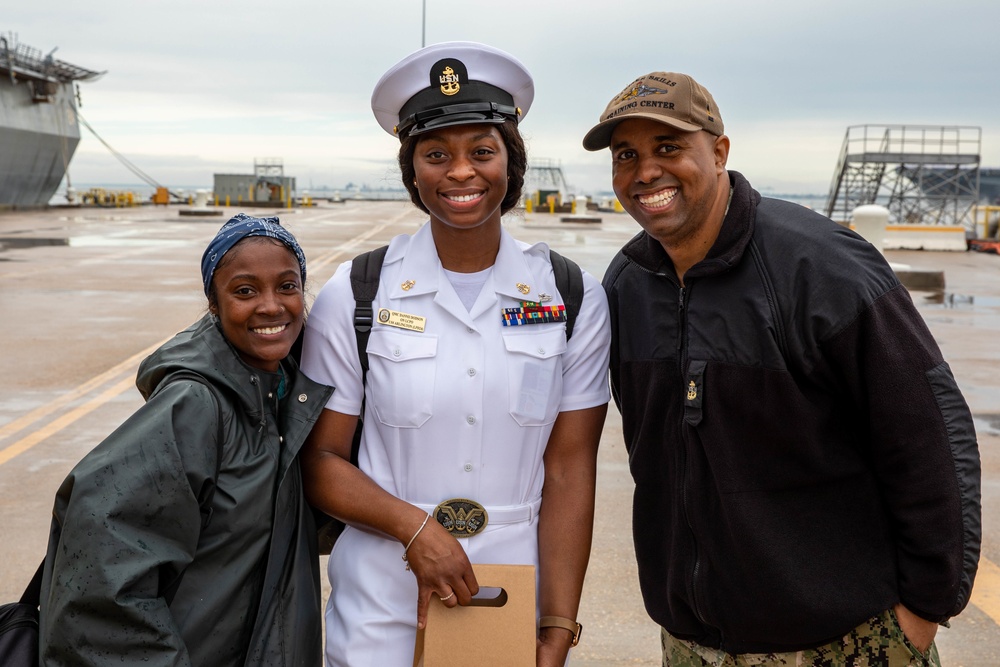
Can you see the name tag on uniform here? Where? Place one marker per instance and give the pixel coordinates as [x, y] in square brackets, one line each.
[533, 313]
[394, 318]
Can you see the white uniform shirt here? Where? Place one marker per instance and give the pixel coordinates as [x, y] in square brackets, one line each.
[462, 409]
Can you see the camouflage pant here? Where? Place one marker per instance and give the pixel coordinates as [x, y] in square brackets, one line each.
[876, 643]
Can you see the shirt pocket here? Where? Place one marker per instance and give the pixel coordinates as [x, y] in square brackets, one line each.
[401, 376]
[534, 375]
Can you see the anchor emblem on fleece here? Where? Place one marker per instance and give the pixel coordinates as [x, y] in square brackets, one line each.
[692, 391]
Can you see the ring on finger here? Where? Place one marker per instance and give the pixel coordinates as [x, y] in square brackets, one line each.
[447, 597]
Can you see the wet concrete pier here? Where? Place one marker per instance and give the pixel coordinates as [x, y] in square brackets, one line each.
[85, 294]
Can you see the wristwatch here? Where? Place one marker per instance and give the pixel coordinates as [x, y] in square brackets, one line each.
[564, 623]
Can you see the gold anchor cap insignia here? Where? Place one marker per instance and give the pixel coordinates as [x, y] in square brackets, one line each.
[407, 285]
[692, 391]
[522, 288]
[449, 81]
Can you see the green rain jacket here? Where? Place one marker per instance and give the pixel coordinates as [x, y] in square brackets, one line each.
[146, 565]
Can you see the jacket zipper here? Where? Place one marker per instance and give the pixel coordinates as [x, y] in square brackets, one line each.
[682, 328]
[682, 357]
[683, 294]
[260, 402]
[275, 404]
[682, 362]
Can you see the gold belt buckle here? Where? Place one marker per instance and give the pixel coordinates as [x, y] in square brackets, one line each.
[461, 517]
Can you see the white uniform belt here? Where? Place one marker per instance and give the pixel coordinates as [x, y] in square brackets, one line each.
[501, 514]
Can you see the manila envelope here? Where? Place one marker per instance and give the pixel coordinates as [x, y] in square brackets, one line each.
[496, 630]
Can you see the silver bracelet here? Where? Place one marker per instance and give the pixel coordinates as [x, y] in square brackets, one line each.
[411, 541]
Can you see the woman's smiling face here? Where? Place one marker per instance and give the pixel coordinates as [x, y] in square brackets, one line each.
[257, 296]
[461, 174]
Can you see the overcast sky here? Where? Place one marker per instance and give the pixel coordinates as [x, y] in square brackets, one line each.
[195, 87]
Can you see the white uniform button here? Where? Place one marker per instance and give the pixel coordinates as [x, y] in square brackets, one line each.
[470, 329]
[472, 372]
[468, 467]
[471, 419]
[396, 352]
[541, 350]
[281, 438]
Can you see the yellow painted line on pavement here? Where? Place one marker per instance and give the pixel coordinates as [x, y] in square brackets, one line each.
[65, 420]
[23, 422]
[925, 228]
[43, 411]
[986, 591]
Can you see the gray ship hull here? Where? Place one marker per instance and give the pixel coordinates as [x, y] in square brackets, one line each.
[37, 141]
[39, 128]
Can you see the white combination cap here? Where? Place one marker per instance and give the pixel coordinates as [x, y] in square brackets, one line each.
[452, 83]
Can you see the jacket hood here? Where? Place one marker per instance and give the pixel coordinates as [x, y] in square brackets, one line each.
[737, 229]
[202, 349]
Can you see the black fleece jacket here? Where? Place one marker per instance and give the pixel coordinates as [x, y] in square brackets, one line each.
[802, 455]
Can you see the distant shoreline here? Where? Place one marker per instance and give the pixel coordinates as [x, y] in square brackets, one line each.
[144, 192]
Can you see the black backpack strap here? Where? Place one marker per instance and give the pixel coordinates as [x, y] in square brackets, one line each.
[366, 270]
[569, 280]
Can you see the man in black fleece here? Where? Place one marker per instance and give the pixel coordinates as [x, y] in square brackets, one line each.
[807, 473]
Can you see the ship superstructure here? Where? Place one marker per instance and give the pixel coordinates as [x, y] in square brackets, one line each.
[39, 130]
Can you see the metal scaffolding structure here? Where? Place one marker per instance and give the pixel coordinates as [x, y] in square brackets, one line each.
[545, 174]
[268, 167]
[923, 174]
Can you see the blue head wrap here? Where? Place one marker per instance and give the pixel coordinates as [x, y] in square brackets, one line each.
[239, 227]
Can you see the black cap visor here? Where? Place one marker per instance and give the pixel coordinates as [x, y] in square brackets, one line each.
[477, 102]
[456, 114]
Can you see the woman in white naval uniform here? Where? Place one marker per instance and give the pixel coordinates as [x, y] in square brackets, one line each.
[459, 403]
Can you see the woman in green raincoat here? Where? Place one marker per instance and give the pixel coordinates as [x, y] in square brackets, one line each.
[183, 538]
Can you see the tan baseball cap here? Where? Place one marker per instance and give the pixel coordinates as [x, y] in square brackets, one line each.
[670, 98]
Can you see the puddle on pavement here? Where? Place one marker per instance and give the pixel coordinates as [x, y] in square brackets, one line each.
[17, 242]
[9, 242]
[95, 218]
[122, 242]
[952, 300]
